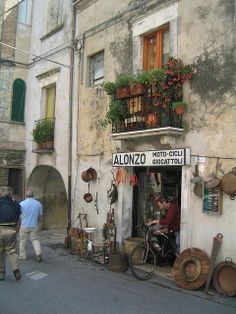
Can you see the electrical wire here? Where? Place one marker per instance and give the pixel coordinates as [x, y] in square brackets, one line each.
[11, 8]
[38, 57]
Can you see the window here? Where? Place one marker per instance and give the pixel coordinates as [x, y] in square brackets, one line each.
[24, 12]
[18, 101]
[156, 49]
[96, 68]
[50, 101]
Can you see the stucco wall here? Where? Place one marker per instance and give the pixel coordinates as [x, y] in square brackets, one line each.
[207, 39]
[54, 46]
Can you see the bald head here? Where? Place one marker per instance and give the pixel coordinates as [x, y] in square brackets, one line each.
[29, 193]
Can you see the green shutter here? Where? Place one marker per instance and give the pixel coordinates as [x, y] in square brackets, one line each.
[18, 101]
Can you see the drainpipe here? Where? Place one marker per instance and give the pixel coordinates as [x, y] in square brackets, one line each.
[71, 95]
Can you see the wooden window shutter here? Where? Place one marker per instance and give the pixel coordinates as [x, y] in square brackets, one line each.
[50, 102]
[153, 48]
[18, 101]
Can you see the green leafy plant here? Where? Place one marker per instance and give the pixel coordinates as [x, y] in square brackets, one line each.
[110, 88]
[117, 112]
[43, 131]
[123, 80]
[38, 136]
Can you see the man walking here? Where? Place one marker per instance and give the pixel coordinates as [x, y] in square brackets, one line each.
[31, 212]
[9, 217]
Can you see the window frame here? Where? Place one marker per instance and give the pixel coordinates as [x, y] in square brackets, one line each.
[159, 47]
[92, 60]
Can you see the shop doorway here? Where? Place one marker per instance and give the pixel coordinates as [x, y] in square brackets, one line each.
[165, 181]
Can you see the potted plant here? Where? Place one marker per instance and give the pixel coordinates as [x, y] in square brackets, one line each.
[38, 136]
[117, 112]
[43, 133]
[179, 107]
[48, 129]
[122, 84]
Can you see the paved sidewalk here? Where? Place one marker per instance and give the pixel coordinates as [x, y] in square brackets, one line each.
[55, 239]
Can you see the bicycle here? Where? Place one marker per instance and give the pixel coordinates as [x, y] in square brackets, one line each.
[146, 256]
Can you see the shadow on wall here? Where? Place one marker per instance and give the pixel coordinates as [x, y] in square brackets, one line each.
[49, 189]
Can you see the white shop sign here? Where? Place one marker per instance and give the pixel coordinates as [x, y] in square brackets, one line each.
[155, 158]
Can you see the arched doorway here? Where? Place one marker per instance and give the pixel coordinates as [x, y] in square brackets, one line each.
[49, 189]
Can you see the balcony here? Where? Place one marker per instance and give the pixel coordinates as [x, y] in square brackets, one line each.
[149, 103]
[145, 118]
[43, 136]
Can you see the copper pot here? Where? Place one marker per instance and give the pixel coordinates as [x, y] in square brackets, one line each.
[228, 183]
[88, 197]
[89, 175]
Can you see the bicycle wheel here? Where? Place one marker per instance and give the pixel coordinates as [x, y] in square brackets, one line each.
[142, 263]
[83, 251]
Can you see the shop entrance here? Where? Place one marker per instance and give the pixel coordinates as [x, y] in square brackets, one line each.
[164, 181]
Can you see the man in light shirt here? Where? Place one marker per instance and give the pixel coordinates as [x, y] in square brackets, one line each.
[31, 212]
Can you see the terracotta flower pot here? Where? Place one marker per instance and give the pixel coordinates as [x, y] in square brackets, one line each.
[179, 110]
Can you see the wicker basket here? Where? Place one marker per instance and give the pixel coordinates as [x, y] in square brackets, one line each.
[130, 243]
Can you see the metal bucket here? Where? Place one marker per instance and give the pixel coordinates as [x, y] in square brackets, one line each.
[118, 262]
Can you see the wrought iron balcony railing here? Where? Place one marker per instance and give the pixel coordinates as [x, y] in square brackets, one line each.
[144, 112]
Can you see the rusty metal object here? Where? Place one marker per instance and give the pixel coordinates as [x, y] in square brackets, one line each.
[214, 182]
[88, 197]
[89, 175]
[214, 252]
[198, 187]
[190, 269]
[224, 278]
[228, 183]
[118, 262]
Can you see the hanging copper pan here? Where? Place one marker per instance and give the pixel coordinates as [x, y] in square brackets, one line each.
[228, 183]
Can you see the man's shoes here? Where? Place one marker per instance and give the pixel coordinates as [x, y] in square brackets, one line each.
[39, 258]
[2, 276]
[171, 274]
[17, 274]
[23, 258]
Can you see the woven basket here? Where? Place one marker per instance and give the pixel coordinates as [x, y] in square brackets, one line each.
[130, 243]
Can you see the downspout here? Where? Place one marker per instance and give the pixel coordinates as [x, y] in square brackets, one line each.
[71, 95]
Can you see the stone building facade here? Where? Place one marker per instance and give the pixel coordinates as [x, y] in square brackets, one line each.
[12, 72]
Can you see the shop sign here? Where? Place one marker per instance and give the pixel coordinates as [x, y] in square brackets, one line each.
[155, 158]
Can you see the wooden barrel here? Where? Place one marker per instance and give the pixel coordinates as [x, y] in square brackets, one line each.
[224, 278]
[118, 262]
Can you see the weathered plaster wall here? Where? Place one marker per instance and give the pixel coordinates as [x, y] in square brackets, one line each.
[206, 38]
[44, 43]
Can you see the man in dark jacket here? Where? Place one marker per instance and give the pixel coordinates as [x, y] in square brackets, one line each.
[9, 217]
